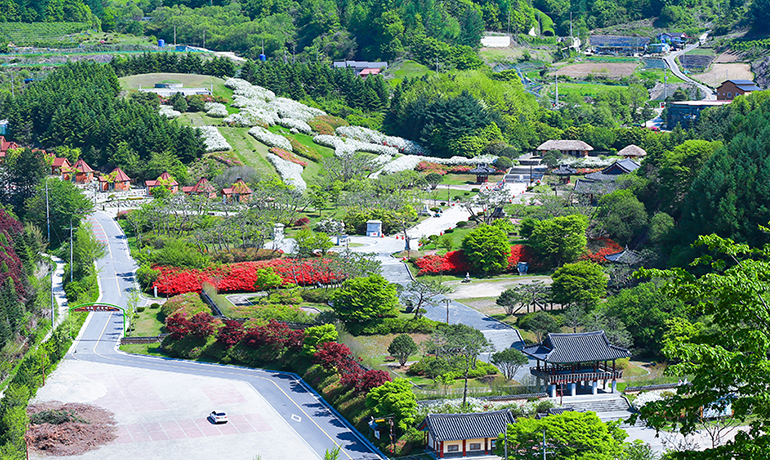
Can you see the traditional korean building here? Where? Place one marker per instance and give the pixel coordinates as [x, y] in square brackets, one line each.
[464, 435]
[564, 172]
[117, 180]
[603, 181]
[566, 147]
[632, 151]
[6, 145]
[238, 193]
[566, 360]
[164, 180]
[202, 187]
[482, 173]
[81, 172]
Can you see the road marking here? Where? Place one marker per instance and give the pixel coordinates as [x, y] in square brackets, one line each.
[102, 334]
[93, 219]
[296, 418]
[118, 283]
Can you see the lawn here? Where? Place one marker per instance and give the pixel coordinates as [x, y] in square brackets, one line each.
[149, 323]
[249, 150]
[468, 179]
[702, 52]
[587, 89]
[148, 80]
[397, 72]
[656, 75]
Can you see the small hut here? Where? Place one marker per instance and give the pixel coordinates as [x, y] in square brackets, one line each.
[164, 180]
[83, 173]
[203, 188]
[632, 151]
[117, 180]
[238, 193]
[563, 172]
[482, 173]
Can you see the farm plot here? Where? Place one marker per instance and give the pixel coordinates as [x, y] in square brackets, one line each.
[608, 69]
[719, 73]
[695, 62]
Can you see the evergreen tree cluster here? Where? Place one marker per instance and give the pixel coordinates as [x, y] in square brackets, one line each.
[170, 62]
[78, 106]
[320, 82]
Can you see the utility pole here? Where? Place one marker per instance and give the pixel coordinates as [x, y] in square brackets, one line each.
[506, 442]
[174, 36]
[12, 85]
[72, 245]
[204, 38]
[447, 309]
[665, 79]
[48, 225]
[570, 27]
[436, 64]
[544, 445]
[556, 79]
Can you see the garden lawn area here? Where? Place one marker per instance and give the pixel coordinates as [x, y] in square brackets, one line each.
[702, 52]
[411, 69]
[467, 179]
[373, 349]
[149, 323]
[249, 150]
[148, 80]
[655, 75]
[197, 119]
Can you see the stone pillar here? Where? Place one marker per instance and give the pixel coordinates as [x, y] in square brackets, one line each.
[614, 385]
[594, 387]
[572, 388]
[552, 390]
[374, 228]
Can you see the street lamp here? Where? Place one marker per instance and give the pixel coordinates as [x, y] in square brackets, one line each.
[447, 301]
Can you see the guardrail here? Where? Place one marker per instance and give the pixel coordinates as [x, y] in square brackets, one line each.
[142, 340]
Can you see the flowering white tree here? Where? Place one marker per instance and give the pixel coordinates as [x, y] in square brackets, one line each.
[271, 139]
[213, 139]
[215, 109]
[291, 173]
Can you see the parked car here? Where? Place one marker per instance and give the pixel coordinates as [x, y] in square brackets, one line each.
[218, 417]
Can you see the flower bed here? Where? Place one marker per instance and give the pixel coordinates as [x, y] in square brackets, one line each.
[268, 138]
[215, 109]
[289, 108]
[247, 90]
[520, 253]
[302, 150]
[288, 156]
[299, 125]
[599, 248]
[453, 263]
[291, 173]
[213, 139]
[241, 277]
[375, 137]
[168, 111]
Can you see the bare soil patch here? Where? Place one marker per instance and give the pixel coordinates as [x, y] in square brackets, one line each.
[86, 428]
[728, 56]
[719, 73]
[609, 69]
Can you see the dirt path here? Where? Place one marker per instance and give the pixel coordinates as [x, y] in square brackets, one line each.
[492, 288]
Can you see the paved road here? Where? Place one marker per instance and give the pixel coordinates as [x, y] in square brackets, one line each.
[302, 409]
[670, 61]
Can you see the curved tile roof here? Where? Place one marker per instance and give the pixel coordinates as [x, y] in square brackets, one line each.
[576, 348]
[456, 427]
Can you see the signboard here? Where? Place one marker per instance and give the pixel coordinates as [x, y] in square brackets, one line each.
[96, 308]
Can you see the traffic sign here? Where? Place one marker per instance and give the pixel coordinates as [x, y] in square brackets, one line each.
[96, 308]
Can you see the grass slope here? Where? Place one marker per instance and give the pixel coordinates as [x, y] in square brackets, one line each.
[148, 80]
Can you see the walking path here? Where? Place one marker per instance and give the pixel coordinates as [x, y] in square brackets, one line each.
[670, 61]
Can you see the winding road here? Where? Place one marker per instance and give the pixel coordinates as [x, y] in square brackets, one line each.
[670, 60]
[302, 409]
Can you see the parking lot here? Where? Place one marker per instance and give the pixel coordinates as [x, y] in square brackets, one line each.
[163, 415]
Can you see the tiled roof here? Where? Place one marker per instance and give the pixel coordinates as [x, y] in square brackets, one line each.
[202, 186]
[627, 257]
[576, 348]
[239, 187]
[120, 176]
[167, 179]
[564, 170]
[564, 145]
[611, 172]
[483, 169]
[59, 162]
[555, 411]
[455, 427]
[82, 166]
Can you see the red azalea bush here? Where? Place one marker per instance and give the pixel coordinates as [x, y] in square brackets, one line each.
[599, 248]
[301, 222]
[429, 167]
[451, 263]
[230, 333]
[288, 156]
[334, 356]
[242, 277]
[587, 170]
[520, 253]
[460, 169]
[302, 150]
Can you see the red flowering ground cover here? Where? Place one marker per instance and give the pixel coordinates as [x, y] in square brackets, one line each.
[451, 263]
[428, 167]
[599, 248]
[288, 156]
[241, 277]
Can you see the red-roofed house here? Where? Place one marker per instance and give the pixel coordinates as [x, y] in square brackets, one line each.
[202, 187]
[5, 146]
[83, 173]
[117, 180]
[60, 167]
[164, 180]
[238, 193]
[366, 72]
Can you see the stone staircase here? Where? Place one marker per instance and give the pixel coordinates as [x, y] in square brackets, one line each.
[527, 165]
[600, 405]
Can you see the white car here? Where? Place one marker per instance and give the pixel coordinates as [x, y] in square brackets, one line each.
[218, 417]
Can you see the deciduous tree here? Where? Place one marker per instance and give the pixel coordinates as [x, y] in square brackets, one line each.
[402, 347]
[363, 299]
[509, 361]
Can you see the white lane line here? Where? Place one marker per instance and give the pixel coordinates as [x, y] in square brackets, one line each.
[117, 282]
[105, 234]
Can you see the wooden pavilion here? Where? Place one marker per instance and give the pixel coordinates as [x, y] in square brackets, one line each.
[563, 172]
[482, 173]
[580, 358]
